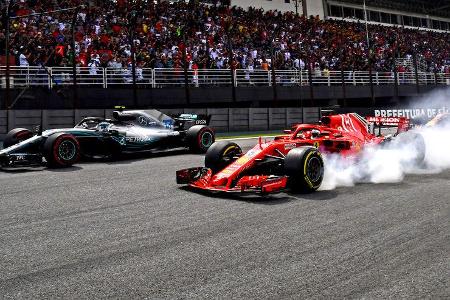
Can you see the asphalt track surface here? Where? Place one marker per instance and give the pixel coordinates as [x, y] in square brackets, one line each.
[125, 230]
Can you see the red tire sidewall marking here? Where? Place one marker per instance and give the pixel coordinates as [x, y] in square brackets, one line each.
[56, 145]
[200, 136]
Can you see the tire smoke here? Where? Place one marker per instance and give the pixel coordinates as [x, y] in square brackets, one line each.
[390, 163]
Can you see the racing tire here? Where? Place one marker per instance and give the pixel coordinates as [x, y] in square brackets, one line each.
[61, 150]
[16, 136]
[200, 138]
[305, 169]
[221, 154]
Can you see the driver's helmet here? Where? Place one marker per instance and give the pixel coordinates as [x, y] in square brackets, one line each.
[103, 126]
[315, 133]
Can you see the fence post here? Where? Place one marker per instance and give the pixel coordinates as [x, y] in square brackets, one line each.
[310, 78]
[372, 94]
[274, 81]
[153, 78]
[105, 78]
[396, 83]
[8, 63]
[74, 61]
[28, 76]
[416, 71]
[344, 92]
[299, 93]
[185, 71]
[50, 78]
[232, 66]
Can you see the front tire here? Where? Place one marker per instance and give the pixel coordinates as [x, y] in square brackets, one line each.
[200, 138]
[61, 150]
[16, 136]
[221, 154]
[305, 169]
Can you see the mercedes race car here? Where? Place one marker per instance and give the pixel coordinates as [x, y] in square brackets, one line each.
[292, 161]
[93, 137]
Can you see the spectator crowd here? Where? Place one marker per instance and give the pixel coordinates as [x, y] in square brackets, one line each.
[165, 35]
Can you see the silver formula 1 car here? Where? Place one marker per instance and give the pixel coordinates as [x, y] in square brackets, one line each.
[93, 137]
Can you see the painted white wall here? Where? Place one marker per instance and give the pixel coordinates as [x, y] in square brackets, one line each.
[279, 5]
[315, 8]
[391, 11]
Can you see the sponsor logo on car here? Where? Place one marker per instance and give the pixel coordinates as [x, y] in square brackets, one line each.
[139, 139]
[200, 122]
[290, 146]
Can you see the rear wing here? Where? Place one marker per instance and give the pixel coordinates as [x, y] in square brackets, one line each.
[401, 123]
[192, 119]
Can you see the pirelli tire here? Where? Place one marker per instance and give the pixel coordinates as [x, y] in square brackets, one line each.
[16, 136]
[304, 167]
[200, 138]
[221, 154]
[61, 150]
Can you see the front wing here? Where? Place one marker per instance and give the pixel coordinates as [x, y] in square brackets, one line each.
[201, 178]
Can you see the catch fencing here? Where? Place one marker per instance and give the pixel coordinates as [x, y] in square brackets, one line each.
[20, 77]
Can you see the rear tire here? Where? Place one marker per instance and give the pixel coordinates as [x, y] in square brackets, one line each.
[61, 150]
[305, 169]
[200, 138]
[16, 136]
[221, 154]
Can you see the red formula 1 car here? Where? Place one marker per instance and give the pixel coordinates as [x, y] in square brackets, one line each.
[291, 161]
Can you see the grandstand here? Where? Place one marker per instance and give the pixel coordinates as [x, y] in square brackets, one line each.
[160, 29]
[173, 44]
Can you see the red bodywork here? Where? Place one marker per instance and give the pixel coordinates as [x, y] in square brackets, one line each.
[345, 134]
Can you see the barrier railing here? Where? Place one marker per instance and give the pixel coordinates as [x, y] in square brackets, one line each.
[160, 78]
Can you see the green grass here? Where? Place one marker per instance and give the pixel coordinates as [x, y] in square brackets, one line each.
[231, 135]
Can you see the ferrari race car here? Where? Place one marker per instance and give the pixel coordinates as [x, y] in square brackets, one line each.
[292, 161]
[93, 137]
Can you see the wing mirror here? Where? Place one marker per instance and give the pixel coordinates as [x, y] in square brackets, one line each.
[287, 131]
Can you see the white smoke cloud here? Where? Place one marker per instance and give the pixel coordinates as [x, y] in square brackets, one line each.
[390, 164]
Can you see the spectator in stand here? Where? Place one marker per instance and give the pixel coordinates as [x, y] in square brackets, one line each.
[94, 64]
[23, 59]
[163, 31]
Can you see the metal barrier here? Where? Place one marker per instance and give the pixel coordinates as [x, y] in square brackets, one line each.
[159, 78]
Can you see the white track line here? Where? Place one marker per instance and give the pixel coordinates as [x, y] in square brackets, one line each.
[247, 138]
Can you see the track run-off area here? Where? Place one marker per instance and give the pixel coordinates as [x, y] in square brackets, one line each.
[125, 230]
